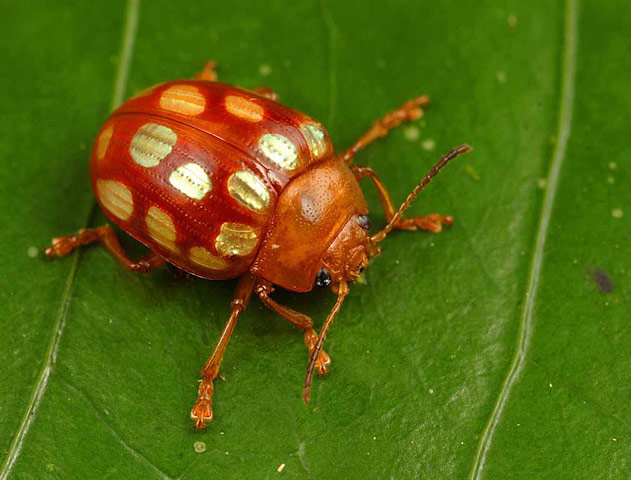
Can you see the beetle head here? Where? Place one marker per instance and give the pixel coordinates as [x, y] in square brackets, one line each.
[349, 254]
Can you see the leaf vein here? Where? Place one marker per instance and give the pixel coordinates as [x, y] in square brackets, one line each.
[59, 324]
[133, 452]
[526, 318]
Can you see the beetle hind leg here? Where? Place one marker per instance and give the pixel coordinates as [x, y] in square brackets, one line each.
[303, 322]
[62, 246]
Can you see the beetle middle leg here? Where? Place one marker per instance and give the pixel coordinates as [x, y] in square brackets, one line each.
[202, 411]
[410, 110]
[303, 322]
[62, 246]
[433, 222]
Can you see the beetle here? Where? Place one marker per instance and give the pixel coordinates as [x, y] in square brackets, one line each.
[224, 182]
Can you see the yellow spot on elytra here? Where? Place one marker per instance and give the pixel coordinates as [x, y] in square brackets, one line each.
[152, 143]
[161, 228]
[279, 150]
[116, 198]
[247, 189]
[104, 141]
[183, 99]
[316, 138]
[203, 257]
[235, 239]
[244, 108]
[191, 180]
[617, 213]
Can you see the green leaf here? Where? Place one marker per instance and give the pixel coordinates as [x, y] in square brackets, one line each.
[496, 349]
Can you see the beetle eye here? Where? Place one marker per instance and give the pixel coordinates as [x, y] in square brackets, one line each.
[323, 278]
[364, 222]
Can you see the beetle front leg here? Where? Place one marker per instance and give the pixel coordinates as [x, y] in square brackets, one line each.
[209, 72]
[410, 110]
[433, 222]
[303, 322]
[62, 246]
[202, 411]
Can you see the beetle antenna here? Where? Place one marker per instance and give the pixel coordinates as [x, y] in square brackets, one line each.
[456, 152]
[342, 291]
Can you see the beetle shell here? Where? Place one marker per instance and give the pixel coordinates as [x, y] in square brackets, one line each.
[194, 169]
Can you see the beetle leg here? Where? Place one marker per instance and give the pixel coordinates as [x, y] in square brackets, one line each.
[433, 223]
[303, 322]
[341, 290]
[62, 246]
[202, 411]
[410, 110]
[266, 92]
[209, 72]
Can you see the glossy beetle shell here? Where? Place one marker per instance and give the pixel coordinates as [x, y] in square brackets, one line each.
[194, 170]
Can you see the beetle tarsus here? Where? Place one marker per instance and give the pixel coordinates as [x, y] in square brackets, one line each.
[432, 223]
[202, 412]
[324, 361]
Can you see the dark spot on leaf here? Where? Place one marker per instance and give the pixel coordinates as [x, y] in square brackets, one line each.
[602, 280]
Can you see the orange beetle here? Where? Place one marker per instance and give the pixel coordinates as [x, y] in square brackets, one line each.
[224, 182]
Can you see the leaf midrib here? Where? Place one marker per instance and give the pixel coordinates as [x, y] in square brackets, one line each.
[50, 356]
[526, 320]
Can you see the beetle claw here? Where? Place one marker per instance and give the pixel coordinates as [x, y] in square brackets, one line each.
[202, 412]
[61, 246]
[324, 361]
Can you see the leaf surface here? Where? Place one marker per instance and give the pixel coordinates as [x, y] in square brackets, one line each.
[496, 349]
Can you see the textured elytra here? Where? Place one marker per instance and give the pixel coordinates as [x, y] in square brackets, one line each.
[315, 137]
[191, 180]
[152, 143]
[247, 189]
[103, 141]
[236, 239]
[244, 108]
[202, 256]
[279, 150]
[161, 228]
[183, 99]
[116, 198]
[211, 158]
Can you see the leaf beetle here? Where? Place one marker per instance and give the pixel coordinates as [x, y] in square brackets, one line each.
[224, 182]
